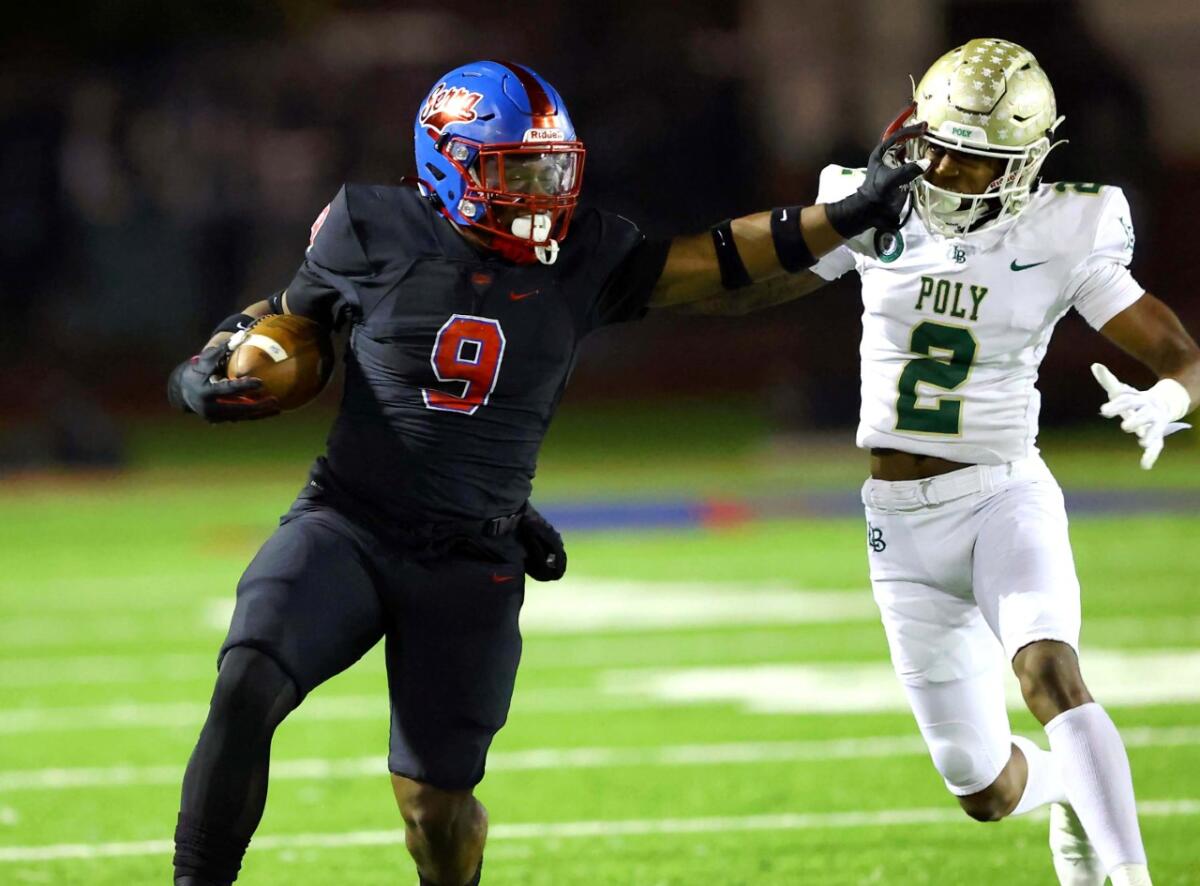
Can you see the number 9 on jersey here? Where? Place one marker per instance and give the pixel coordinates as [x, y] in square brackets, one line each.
[467, 350]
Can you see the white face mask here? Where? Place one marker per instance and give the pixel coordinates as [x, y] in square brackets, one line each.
[536, 227]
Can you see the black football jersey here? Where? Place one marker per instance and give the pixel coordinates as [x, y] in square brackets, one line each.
[456, 359]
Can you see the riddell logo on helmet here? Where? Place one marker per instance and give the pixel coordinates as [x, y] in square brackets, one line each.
[448, 105]
[544, 135]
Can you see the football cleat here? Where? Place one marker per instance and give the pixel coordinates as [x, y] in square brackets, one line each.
[1075, 861]
[497, 151]
[988, 97]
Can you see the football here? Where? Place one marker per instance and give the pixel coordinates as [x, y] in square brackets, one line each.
[292, 355]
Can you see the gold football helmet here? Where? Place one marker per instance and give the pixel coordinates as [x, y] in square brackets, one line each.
[988, 97]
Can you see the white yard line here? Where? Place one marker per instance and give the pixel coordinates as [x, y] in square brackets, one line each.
[158, 715]
[1119, 677]
[584, 605]
[732, 753]
[567, 829]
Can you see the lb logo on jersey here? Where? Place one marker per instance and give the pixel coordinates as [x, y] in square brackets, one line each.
[888, 245]
[448, 105]
[875, 539]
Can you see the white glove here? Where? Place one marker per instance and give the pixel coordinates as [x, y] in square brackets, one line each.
[1151, 415]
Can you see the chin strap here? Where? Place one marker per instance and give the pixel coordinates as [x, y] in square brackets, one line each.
[548, 253]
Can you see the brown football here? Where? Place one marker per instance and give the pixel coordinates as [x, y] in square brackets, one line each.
[292, 355]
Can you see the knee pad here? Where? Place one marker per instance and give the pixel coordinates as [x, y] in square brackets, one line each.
[253, 689]
[965, 726]
[965, 760]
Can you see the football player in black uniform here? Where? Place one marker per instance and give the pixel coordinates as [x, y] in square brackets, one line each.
[467, 293]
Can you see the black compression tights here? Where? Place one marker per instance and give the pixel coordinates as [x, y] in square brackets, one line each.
[225, 786]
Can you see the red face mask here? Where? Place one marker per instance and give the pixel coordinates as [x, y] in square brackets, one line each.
[522, 195]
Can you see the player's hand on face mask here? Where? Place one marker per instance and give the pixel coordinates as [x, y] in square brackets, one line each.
[545, 556]
[1151, 415]
[196, 386]
[879, 200]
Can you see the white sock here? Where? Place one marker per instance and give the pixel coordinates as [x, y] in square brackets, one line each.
[1044, 784]
[1095, 771]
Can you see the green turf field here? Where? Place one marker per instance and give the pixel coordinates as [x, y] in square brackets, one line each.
[694, 706]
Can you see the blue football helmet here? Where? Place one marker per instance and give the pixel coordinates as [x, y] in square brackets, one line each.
[496, 148]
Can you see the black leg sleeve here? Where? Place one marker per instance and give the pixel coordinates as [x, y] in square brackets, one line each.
[225, 786]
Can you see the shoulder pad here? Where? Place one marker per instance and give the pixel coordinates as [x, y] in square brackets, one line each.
[1095, 216]
[598, 235]
[333, 243]
[393, 223]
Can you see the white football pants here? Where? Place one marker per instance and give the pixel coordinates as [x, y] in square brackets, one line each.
[967, 568]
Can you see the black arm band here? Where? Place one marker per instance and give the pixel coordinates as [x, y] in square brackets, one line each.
[234, 323]
[276, 302]
[733, 270]
[791, 250]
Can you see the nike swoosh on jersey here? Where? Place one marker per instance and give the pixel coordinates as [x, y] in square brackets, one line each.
[517, 296]
[500, 579]
[1019, 267]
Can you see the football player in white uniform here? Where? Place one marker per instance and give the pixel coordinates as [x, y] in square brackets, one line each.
[966, 530]
[967, 534]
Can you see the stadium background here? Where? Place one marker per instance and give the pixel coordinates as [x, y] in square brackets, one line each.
[706, 698]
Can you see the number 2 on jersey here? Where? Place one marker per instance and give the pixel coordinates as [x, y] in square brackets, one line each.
[467, 350]
[945, 372]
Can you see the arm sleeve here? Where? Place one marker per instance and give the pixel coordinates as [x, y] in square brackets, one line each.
[1101, 286]
[324, 286]
[838, 182]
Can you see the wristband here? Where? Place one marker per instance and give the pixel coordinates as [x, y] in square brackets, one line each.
[275, 302]
[235, 323]
[791, 250]
[729, 260]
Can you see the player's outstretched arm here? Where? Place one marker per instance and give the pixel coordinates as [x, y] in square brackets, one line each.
[1151, 332]
[767, 293]
[197, 384]
[739, 253]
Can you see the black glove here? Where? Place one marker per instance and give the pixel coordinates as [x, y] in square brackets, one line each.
[191, 388]
[545, 556]
[880, 199]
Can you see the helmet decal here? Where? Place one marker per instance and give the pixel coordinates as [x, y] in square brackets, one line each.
[446, 105]
[541, 106]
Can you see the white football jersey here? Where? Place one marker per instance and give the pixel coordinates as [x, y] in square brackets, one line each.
[954, 329]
